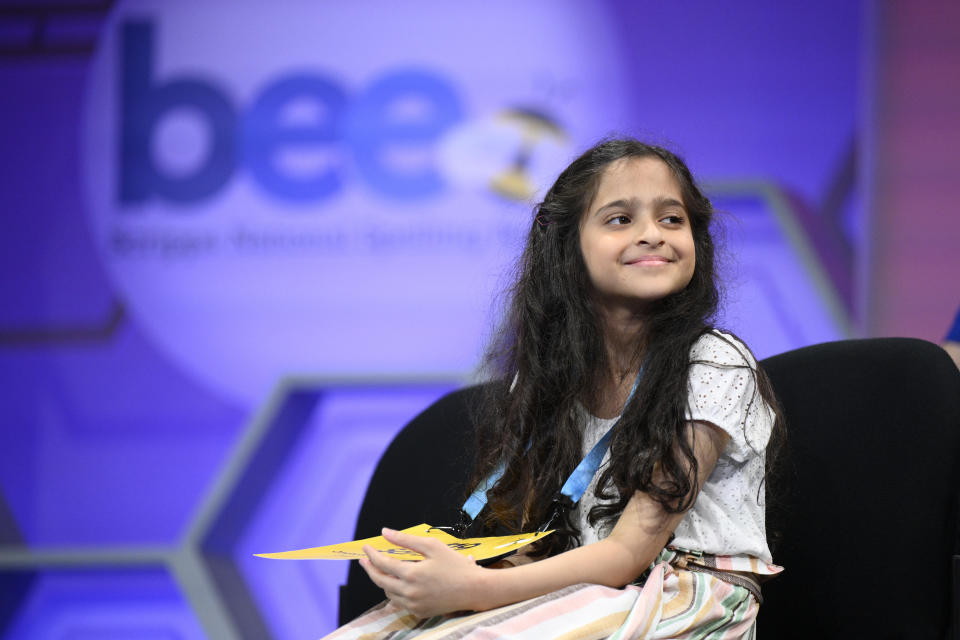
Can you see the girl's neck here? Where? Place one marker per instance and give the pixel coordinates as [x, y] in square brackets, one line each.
[623, 331]
[623, 336]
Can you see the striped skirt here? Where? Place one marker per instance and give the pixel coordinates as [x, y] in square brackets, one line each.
[682, 597]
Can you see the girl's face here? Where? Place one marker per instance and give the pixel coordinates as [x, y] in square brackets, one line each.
[635, 236]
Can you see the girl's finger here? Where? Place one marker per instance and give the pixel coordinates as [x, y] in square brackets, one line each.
[424, 546]
[383, 580]
[386, 564]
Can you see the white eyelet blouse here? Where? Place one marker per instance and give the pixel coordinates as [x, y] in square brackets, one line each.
[727, 517]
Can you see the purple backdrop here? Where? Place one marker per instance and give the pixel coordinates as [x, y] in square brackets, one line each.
[211, 210]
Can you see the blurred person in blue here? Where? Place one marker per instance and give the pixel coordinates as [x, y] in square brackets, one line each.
[620, 418]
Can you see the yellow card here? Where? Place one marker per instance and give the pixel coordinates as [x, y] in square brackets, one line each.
[479, 548]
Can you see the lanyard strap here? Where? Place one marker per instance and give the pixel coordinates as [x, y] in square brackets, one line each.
[478, 499]
[575, 486]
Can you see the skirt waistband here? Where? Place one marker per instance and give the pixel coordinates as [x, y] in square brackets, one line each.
[739, 579]
[706, 563]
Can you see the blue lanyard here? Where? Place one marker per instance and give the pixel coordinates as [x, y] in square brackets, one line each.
[575, 486]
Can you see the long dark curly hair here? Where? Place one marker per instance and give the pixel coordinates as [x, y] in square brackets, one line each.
[551, 346]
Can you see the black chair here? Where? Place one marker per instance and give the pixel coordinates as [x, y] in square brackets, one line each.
[867, 519]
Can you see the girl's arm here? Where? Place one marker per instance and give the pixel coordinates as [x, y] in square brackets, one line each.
[446, 581]
[517, 559]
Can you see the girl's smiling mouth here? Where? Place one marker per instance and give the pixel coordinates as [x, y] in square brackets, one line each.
[648, 261]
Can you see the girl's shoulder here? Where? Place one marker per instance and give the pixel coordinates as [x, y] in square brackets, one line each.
[721, 348]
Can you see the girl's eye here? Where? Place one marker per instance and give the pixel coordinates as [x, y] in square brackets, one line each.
[619, 219]
[672, 219]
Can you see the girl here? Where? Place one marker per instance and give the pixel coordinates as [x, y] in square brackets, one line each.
[608, 331]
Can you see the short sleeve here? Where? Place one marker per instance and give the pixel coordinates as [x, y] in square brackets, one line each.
[722, 390]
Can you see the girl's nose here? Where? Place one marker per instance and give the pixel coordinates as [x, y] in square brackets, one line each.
[649, 233]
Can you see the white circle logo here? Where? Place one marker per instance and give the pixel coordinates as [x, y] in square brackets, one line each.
[310, 190]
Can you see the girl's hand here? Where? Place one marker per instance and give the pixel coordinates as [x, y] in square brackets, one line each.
[442, 582]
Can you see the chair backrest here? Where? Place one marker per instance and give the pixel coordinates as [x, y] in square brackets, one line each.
[868, 516]
[421, 477]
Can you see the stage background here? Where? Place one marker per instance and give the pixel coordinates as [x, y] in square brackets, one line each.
[244, 243]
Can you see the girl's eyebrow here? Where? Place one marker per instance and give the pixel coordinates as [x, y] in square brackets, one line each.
[624, 204]
[631, 203]
[663, 203]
